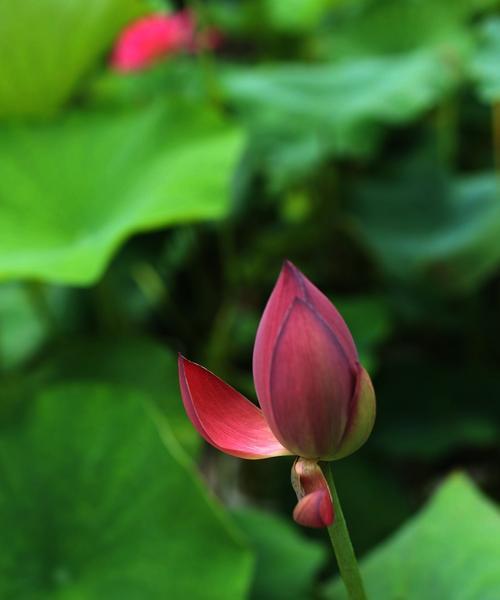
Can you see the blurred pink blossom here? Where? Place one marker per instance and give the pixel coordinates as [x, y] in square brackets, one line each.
[156, 36]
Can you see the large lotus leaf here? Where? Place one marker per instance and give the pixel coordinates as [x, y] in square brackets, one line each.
[301, 113]
[335, 98]
[295, 16]
[287, 563]
[420, 224]
[399, 26]
[93, 504]
[137, 363]
[449, 551]
[46, 46]
[484, 66]
[72, 190]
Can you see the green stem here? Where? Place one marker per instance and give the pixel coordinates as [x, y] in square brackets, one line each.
[342, 545]
[496, 136]
[205, 56]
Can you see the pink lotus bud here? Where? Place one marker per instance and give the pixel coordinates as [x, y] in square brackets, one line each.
[153, 37]
[316, 400]
[316, 397]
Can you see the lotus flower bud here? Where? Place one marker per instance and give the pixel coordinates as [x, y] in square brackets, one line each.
[316, 400]
[315, 396]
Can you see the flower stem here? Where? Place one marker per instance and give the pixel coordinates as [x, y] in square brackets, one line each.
[342, 545]
[205, 56]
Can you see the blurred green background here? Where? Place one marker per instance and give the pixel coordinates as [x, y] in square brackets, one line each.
[147, 213]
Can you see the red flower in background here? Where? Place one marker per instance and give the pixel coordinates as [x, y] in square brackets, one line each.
[157, 36]
[317, 401]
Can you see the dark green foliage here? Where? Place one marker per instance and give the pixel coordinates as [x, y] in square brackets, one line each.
[148, 213]
[287, 565]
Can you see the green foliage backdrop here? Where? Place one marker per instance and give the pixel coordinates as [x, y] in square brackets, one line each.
[148, 212]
